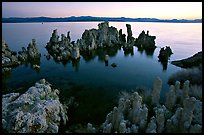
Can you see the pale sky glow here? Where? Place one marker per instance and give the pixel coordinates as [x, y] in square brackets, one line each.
[161, 10]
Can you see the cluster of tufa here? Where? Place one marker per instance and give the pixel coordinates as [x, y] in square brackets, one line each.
[181, 112]
[11, 58]
[104, 36]
[31, 54]
[64, 49]
[38, 110]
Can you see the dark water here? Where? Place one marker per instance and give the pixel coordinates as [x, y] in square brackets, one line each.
[95, 85]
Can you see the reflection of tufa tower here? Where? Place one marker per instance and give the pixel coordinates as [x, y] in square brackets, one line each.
[75, 52]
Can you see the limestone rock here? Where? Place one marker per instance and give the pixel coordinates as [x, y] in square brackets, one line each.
[187, 113]
[145, 41]
[90, 128]
[104, 36]
[31, 55]
[38, 110]
[165, 53]
[160, 118]
[152, 126]
[130, 39]
[9, 58]
[155, 95]
[32, 50]
[171, 97]
[62, 50]
[182, 113]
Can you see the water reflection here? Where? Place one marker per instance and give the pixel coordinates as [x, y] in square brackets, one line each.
[104, 53]
[164, 65]
[89, 55]
[128, 51]
[76, 64]
[148, 52]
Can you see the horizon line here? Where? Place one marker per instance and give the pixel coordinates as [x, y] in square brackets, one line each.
[106, 17]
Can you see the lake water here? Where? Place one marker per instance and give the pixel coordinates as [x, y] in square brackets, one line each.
[95, 86]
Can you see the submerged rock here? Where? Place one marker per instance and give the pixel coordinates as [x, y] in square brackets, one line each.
[114, 65]
[38, 110]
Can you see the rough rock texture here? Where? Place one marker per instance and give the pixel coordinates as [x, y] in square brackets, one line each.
[124, 118]
[31, 54]
[155, 95]
[9, 58]
[122, 38]
[189, 62]
[145, 41]
[90, 128]
[64, 49]
[38, 110]
[127, 47]
[12, 59]
[104, 36]
[182, 113]
[130, 38]
[186, 117]
[165, 53]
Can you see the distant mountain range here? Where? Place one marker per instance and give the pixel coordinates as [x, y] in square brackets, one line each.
[91, 18]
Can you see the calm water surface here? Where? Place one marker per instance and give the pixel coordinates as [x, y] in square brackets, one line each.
[95, 86]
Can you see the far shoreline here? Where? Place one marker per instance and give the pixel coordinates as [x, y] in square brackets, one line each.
[103, 21]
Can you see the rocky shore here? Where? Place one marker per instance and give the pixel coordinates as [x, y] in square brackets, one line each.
[193, 61]
[38, 110]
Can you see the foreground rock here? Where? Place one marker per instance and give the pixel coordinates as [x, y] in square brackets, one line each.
[38, 110]
[64, 49]
[145, 41]
[192, 61]
[181, 113]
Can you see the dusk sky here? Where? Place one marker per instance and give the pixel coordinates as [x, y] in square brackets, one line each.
[161, 10]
